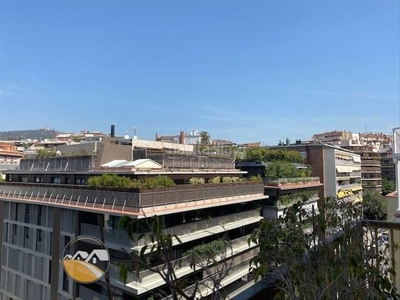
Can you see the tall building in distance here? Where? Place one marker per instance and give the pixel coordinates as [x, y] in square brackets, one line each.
[369, 146]
[9, 157]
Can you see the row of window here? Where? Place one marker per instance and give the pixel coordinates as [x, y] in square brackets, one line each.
[29, 238]
[22, 287]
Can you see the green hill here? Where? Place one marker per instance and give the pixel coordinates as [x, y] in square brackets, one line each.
[38, 134]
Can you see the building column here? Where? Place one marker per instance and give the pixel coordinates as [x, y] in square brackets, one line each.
[55, 254]
[2, 212]
[396, 233]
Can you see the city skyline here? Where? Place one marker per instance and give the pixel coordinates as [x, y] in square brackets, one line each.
[245, 72]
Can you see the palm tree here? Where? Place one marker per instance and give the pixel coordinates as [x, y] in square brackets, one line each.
[204, 138]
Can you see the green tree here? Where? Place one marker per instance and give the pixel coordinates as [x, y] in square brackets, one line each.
[270, 155]
[281, 169]
[346, 265]
[210, 258]
[374, 206]
[42, 153]
[204, 138]
[388, 186]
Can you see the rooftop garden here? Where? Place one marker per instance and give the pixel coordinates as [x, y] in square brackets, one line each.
[115, 181]
[269, 155]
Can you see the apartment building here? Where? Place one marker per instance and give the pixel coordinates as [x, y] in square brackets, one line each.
[284, 192]
[387, 164]
[47, 203]
[371, 170]
[339, 169]
[9, 157]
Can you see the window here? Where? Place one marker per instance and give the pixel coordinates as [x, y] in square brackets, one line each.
[14, 233]
[56, 180]
[27, 213]
[65, 282]
[39, 238]
[26, 236]
[16, 211]
[39, 216]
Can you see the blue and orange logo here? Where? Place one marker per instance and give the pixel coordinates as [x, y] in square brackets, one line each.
[86, 259]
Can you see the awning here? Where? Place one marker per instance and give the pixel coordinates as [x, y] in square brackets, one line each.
[344, 193]
[342, 169]
[357, 199]
[357, 159]
[356, 189]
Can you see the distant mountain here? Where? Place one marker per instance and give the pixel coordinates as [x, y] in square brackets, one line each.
[38, 134]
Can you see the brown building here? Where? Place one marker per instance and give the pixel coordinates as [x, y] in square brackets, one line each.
[371, 171]
[332, 136]
[387, 163]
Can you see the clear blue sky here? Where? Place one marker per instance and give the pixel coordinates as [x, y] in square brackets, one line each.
[241, 70]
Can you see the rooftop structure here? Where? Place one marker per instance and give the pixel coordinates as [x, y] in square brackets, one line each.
[48, 202]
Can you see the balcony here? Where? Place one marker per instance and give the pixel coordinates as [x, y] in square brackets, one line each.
[119, 237]
[146, 277]
[292, 182]
[132, 200]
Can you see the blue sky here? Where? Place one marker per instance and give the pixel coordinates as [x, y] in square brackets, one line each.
[241, 70]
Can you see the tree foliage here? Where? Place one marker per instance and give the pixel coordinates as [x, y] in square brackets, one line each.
[344, 264]
[210, 258]
[42, 153]
[281, 169]
[269, 155]
[388, 186]
[204, 138]
[374, 206]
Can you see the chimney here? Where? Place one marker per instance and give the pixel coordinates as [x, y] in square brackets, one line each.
[182, 137]
[112, 134]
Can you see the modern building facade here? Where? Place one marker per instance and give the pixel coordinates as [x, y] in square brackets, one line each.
[339, 169]
[387, 164]
[47, 203]
[371, 170]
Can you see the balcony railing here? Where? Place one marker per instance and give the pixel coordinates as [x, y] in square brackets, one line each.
[127, 200]
[291, 181]
[119, 237]
[349, 186]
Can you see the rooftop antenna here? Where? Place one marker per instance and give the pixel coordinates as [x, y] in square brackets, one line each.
[134, 137]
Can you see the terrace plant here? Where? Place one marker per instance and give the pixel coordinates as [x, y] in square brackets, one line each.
[197, 180]
[115, 181]
[215, 180]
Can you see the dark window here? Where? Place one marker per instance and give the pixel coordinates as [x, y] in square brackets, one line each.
[16, 211]
[39, 217]
[65, 282]
[27, 213]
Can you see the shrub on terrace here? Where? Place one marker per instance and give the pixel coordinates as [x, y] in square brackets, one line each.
[197, 180]
[115, 181]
